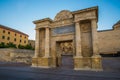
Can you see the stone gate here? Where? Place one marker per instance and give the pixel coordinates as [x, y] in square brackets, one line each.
[70, 33]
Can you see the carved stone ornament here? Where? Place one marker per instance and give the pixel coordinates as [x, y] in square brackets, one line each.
[64, 14]
[86, 27]
[66, 47]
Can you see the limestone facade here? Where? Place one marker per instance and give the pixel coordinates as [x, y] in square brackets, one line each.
[70, 33]
[109, 40]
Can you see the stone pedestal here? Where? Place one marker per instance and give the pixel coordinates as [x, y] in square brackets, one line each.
[34, 62]
[97, 63]
[82, 63]
[78, 63]
[88, 63]
[42, 62]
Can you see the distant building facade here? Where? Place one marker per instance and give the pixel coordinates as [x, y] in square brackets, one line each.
[32, 43]
[8, 34]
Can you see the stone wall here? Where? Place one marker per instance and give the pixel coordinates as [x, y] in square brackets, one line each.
[109, 41]
[16, 55]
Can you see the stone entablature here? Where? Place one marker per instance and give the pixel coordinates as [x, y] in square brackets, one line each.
[62, 23]
[42, 23]
[78, 28]
[89, 13]
[65, 17]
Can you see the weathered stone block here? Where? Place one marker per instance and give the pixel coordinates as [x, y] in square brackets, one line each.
[87, 64]
[34, 62]
[78, 63]
[96, 63]
[43, 62]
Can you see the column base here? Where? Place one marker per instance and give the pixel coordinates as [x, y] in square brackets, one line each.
[41, 62]
[78, 63]
[97, 69]
[88, 63]
[82, 68]
[88, 69]
[97, 63]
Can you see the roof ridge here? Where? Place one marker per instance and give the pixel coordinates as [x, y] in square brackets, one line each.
[3, 26]
[118, 22]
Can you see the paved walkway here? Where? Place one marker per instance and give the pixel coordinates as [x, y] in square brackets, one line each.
[27, 73]
[24, 72]
[111, 64]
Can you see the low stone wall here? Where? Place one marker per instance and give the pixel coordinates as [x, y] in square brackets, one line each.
[16, 55]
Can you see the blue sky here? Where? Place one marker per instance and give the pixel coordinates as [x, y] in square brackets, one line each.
[19, 14]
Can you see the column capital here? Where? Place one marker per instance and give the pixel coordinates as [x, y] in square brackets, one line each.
[76, 21]
[37, 28]
[47, 27]
[94, 20]
[94, 23]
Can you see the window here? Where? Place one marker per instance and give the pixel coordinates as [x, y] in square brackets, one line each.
[20, 40]
[8, 38]
[8, 32]
[3, 37]
[14, 39]
[24, 41]
[15, 34]
[25, 37]
[20, 35]
[3, 31]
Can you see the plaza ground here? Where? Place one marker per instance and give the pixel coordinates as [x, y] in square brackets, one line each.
[20, 71]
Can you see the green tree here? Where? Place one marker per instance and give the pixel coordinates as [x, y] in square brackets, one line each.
[11, 45]
[2, 45]
[28, 46]
[21, 47]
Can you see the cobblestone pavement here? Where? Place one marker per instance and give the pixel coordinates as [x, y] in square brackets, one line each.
[111, 64]
[111, 71]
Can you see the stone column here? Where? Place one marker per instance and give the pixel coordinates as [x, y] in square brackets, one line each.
[96, 58]
[47, 44]
[78, 39]
[37, 43]
[78, 59]
[94, 37]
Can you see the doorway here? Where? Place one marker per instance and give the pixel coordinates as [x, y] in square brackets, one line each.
[64, 54]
